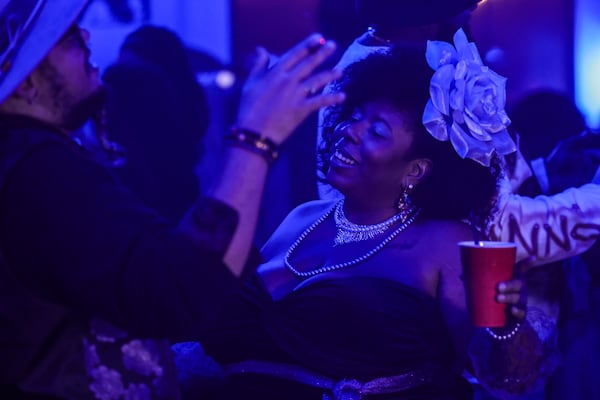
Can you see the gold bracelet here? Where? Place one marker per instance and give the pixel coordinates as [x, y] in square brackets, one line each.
[253, 141]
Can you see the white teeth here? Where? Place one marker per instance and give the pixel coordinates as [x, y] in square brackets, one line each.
[344, 159]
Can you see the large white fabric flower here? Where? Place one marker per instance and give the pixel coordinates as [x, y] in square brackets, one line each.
[467, 101]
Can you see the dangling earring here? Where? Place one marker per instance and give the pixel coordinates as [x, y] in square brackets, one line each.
[405, 206]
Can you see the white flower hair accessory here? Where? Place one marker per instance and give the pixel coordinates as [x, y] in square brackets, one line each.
[467, 101]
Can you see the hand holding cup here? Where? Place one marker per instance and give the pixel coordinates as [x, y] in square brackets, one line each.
[513, 293]
[488, 271]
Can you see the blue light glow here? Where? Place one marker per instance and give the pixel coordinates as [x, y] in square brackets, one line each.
[587, 59]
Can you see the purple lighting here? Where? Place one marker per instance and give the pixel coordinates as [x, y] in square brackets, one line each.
[587, 59]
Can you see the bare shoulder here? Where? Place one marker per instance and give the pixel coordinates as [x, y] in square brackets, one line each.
[306, 213]
[439, 241]
[312, 208]
[295, 223]
[445, 230]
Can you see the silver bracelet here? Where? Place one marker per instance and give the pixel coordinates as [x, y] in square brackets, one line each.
[505, 336]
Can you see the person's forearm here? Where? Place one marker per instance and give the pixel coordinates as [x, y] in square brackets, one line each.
[241, 186]
[274, 101]
[550, 228]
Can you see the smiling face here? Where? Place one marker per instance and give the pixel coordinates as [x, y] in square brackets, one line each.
[385, 147]
[371, 161]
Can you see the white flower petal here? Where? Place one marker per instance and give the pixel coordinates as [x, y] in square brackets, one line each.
[500, 83]
[476, 130]
[461, 70]
[439, 88]
[460, 40]
[479, 151]
[467, 107]
[458, 116]
[504, 143]
[493, 125]
[458, 140]
[439, 53]
[481, 154]
[434, 122]
[504, 118]
[473, 54]
[457, 96]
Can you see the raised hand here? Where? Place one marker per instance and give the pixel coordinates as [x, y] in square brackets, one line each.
[276, 100]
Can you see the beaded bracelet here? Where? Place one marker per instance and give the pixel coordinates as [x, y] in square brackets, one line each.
[505, 336]
[253, 141]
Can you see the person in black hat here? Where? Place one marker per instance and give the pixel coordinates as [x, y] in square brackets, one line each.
[90, 278]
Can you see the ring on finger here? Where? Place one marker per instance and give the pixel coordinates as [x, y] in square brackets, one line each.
[310, 90]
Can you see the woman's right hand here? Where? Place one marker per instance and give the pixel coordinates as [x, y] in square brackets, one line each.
[276, 100]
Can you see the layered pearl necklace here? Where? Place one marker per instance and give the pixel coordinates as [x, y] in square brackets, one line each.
[348, 232]
[327, 268]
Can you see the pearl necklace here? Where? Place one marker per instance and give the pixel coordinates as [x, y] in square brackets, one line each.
[348, 232]
[328, 268]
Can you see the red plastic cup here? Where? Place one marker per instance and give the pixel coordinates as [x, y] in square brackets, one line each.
[485, 264]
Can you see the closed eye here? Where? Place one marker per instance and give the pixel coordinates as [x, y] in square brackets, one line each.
[380, 129]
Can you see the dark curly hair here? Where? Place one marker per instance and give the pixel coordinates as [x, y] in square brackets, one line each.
[455, 188]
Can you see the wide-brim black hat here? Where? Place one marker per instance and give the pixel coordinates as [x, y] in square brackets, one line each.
[28, 31]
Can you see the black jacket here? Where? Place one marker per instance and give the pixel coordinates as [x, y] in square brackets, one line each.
[75, 246]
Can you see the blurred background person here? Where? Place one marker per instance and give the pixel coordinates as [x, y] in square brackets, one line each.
[159, 114]
[541, 119]
[562, 153]
[573, 162]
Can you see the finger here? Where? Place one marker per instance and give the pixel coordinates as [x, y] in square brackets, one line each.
[260, 62]
[273, 60]
[308, 64]
[324, 100]
[509, 298]
[317, 82]
[517, 312]
[297, 53]
[514, 285]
